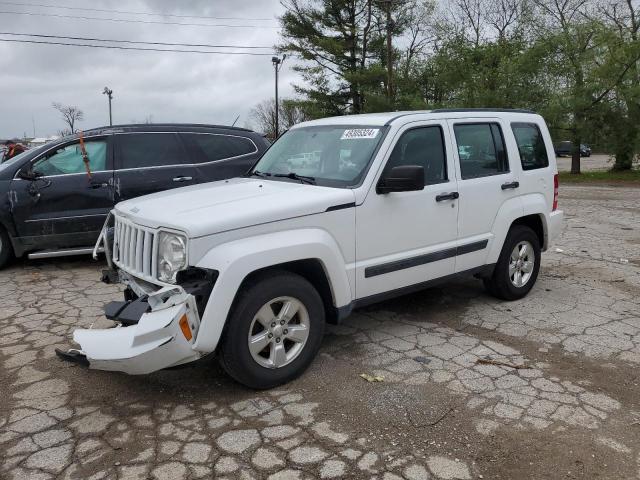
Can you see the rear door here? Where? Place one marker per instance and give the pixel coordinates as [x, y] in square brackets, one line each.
[218, 156]
[65, 206]
[150, 162]
[407, 238]
[485, 182]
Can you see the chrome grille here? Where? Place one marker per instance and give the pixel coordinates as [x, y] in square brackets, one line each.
[134, 249]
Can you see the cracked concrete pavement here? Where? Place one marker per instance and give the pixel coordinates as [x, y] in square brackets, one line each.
[545, 387]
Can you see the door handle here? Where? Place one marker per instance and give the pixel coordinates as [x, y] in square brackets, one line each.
[95, 186]
[182, 179]
[447, 196]
[508, 185]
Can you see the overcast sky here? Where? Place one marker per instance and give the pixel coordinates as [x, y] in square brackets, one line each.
[169, 87]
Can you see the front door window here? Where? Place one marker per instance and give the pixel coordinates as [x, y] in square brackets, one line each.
[69, 160]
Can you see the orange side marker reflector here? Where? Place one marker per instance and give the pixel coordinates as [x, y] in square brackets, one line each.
[184, 326]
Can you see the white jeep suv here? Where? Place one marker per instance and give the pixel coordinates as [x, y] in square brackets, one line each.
[384, 204]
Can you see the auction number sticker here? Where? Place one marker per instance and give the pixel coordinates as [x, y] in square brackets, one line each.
[355, 133]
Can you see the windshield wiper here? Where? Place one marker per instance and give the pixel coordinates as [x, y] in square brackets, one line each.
[295, 176]
[257, 173]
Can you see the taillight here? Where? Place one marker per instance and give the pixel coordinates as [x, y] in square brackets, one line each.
[555, 192]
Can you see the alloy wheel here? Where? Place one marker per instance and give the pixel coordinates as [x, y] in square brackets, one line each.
[521, 263]
[278, 332]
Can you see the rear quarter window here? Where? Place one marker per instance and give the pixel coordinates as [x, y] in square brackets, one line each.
[531, 146]
[213, 147]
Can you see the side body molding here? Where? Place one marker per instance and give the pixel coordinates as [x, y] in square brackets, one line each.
[237, 259]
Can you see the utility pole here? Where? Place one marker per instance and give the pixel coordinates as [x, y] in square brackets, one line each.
[277, 65]
[109, 93]
[389, 53]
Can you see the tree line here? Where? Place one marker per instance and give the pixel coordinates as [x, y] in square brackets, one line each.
[576, 62]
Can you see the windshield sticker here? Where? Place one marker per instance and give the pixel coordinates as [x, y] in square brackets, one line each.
[355, 133]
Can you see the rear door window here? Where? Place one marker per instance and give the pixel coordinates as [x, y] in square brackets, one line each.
[531, 147]
[144, 150]
[481, 150]
[213, 147]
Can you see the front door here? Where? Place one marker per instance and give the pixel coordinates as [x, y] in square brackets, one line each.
[407, 238]
[151, 162]
[485, 184]
[65, 206]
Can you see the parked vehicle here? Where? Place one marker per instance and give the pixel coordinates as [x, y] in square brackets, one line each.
[253, 267]
[566, 149]
[11, 149]
[56, 197]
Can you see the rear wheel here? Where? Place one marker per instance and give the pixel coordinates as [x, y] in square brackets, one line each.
[6, 250]
[518, 265]
[274, 331]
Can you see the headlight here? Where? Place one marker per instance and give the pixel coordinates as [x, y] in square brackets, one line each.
[172, 256]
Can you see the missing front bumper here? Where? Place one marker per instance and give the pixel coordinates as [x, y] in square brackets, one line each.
[162, 338]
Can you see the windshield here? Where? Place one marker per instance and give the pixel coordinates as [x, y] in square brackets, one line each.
[17, 158]
[333, 156]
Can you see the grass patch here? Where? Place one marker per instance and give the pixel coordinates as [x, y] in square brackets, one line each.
[606, 176]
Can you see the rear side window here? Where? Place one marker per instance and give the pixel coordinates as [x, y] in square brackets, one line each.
[218, 147]
[533, 152]
[481, 150]
[143, 150]
[422, 146]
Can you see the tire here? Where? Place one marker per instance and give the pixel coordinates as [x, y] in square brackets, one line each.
[505, 283]
[6, 249]
[256, 311]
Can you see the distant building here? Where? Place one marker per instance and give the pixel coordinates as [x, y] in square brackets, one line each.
[39, 141]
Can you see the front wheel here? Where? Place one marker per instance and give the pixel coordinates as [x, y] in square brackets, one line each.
[6, 250]
[274, 331]
[518, 265]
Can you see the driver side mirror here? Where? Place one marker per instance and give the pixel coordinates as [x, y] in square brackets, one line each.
[404, 178]
[29, 174]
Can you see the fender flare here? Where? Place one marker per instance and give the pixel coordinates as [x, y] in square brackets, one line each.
[512, 210]
[536, 204]
[509, 211]
[235, 260]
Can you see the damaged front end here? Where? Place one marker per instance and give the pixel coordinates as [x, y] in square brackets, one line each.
[155, 327]
[162, 337]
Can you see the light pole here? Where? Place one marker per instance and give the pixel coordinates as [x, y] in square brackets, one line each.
[109, 93]
[277, 65]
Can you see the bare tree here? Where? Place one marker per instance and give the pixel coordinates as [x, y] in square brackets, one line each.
[70, 114]
[508, 16]
[264, 115]
[418, 17]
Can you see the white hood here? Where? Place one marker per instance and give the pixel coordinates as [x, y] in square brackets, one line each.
[216, 207]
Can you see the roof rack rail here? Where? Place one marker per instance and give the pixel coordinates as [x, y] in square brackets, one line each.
[151, 126]
[453, 110]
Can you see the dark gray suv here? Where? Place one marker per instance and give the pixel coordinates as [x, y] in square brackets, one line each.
[54, 199]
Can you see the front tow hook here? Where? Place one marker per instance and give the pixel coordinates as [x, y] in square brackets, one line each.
[74, 356]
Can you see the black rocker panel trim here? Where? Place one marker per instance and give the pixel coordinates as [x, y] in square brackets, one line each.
[394, 266]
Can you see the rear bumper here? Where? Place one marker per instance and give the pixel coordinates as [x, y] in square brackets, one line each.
[158, 340]
[556, 219]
